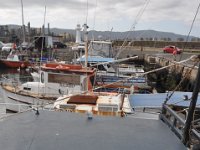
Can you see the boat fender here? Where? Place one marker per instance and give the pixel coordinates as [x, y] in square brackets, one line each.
[22, 65]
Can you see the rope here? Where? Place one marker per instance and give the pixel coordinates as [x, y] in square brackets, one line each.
[114, 61]
[197, 11]
[141, 74]
[187, 73]
[138, 17]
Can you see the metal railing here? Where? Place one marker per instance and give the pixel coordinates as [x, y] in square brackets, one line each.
[177, 123]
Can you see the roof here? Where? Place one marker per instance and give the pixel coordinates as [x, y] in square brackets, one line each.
[95, 59]
[63, 130]
[156, 100]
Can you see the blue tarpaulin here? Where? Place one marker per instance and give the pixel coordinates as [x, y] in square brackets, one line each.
[95, 59]
[156, 100]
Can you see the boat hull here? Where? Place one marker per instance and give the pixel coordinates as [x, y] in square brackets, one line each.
[16, 102]
[15, 64]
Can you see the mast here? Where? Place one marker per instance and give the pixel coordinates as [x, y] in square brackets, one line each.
[23, 27]
[190, 117]
[85, 27]
[43, 35]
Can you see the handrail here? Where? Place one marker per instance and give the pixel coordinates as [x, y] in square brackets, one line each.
[182, 121]
[196, 134]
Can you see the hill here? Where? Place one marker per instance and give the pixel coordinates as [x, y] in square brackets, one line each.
[132, 35]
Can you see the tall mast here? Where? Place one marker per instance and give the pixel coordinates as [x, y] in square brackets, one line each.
[190, 117]
[85, 27]
[23, 27]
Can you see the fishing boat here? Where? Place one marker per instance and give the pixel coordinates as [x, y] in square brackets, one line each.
[16, 60]
[55, 80]
[117, 77]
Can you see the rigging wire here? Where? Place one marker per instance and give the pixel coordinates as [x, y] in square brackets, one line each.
[43, 34]
[140, 74]
[138, 17]
[191, 27]
[187, 73]
[84, 92]
[43, 38]
[94, 20]
[86, 12]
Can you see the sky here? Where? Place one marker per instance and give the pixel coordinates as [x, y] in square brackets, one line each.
[105, 15]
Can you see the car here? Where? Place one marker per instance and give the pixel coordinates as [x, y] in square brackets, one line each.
[59, 45]
[7, 47]
[171, 49]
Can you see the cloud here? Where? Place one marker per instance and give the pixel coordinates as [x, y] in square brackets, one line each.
[67, 13]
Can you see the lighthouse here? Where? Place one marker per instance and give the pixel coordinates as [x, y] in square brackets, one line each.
[78, 34]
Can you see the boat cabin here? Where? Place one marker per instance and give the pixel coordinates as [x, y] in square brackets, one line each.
[55, 80]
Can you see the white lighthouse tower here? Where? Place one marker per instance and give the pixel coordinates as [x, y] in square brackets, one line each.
[78, 34]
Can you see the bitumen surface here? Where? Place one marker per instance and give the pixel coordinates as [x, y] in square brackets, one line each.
[64, 130]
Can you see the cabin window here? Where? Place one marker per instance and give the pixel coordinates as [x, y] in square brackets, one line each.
[42, 77]
[69, 79]
[27, 89]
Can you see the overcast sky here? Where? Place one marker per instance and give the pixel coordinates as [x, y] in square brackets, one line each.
[161, 15]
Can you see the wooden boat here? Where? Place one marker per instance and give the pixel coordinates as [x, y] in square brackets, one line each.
[98, 103]
[55, 80]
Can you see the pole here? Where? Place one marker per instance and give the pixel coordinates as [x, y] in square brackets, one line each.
[23, 26]
[86, 44]
[85, 27]
[192, 106]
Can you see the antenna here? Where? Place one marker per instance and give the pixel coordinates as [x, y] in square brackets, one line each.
[23, 27]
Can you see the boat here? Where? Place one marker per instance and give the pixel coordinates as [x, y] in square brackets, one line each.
[55, 80]
[16, 59]
[117, 77]
[97, 103]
